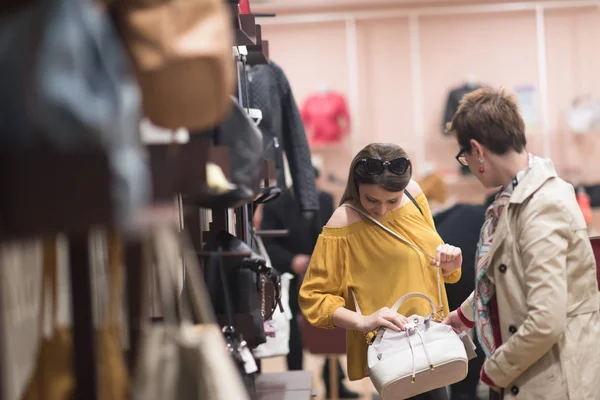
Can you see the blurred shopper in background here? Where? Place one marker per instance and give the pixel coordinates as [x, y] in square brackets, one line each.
[292, 254]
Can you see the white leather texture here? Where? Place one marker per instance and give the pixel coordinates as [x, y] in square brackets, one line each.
[395, 358]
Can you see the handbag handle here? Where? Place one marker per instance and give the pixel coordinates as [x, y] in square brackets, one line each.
[402, 239]
[399, 302]
[414, 295]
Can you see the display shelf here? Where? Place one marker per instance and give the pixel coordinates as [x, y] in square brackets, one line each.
[43, 191]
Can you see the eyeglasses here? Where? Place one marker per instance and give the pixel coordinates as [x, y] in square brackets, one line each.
[375, 166]
[460, 157]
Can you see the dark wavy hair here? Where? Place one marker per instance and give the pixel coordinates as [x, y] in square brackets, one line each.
[386, 180]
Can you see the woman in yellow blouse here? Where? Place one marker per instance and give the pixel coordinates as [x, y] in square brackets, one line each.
[354, 253]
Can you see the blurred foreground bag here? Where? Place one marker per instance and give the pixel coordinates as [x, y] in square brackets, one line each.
[182, 53]
[68, 86]
[53, 377]
[178, 360]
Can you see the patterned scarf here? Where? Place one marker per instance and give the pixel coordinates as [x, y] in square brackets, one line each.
[484, 288]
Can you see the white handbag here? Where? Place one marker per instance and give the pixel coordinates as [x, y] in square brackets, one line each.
[279, 345]
[427, 355]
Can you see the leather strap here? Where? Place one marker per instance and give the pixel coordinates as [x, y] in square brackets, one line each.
[385, 228]
[413, 201]
[402, 239]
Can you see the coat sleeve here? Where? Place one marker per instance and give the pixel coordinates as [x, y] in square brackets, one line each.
[467, 309]
[543, 241]
[296, 147]
[281, 257]
[323, 286]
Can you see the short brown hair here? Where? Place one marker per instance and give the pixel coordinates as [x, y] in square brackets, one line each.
[387, 180]
[492, 118]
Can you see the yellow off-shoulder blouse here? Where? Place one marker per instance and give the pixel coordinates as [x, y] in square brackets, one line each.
[379, 269]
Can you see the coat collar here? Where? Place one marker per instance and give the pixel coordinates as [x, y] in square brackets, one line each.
[541, 171]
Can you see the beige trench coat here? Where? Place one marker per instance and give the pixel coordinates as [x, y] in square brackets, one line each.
[548, 302]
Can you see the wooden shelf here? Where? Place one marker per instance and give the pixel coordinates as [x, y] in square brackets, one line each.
[43, 191]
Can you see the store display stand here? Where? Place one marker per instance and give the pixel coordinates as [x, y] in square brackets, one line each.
[46, 192]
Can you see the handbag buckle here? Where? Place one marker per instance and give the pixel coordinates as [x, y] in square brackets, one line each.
[438, 316]
[370, 336]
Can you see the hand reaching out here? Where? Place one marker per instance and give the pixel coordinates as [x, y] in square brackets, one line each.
[448, 258]
[455, 322]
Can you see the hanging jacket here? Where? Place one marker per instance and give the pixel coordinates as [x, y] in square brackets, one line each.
[281, 125]
[454, 97]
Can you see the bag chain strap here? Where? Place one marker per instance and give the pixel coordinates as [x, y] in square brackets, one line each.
[438, 315]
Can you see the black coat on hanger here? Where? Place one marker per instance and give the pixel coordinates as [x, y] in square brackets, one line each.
[281, 125]
[454, 97]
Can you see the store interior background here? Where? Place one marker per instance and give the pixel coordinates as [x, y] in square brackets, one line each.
[396, 61]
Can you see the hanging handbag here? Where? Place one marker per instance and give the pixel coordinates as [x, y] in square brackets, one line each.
[425, 356]
[238, 347]
[278, 344]
[252, 302]
[182, 53]
[240, 135]
[176, 359]
[68, 87]
[53, 378]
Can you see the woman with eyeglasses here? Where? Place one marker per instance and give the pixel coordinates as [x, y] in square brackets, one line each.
[355, 259]
[536, 303]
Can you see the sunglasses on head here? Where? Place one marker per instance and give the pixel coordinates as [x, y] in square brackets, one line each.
[375, 166]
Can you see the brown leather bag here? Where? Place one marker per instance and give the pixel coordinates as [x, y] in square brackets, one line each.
[53, 375]
[112, 372]
[182, 51]
[53, 378]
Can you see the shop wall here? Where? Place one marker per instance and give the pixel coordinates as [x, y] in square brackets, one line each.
[498, 48]
[313, 55]
[385, 107]
[573, 51]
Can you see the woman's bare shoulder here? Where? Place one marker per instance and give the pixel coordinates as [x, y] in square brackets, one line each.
[343, 216]
[413, 188]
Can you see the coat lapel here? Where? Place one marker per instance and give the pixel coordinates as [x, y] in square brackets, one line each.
[539, 174]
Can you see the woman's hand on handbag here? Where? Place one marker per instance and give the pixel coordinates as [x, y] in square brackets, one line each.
[455, 322]
[383, 318]
[448, 258]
